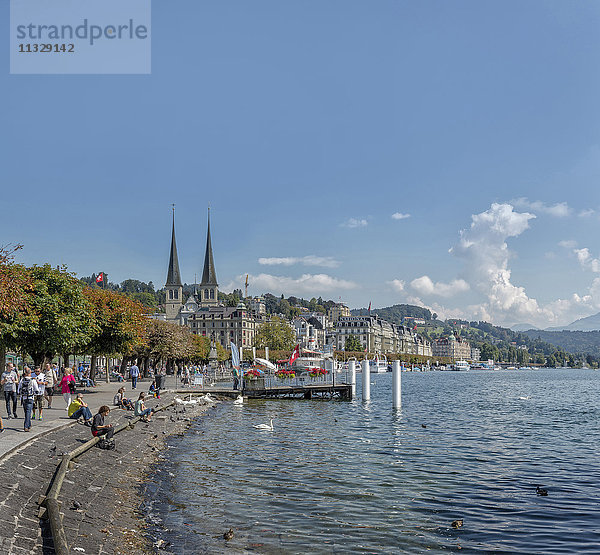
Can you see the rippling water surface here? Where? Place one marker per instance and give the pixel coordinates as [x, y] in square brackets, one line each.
[350, 477]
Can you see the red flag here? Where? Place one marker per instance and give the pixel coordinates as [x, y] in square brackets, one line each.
[100, 277]
[369, 307]
[295, 354]
[415, 328]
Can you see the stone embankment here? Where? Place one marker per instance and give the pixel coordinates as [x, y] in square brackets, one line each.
[99, 496]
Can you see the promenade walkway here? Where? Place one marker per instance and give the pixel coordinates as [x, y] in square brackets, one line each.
[101, 494]
[55, 418]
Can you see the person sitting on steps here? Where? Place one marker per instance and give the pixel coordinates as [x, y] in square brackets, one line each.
[121, 401]
[99, 429]
[141, 410]
[79, 409]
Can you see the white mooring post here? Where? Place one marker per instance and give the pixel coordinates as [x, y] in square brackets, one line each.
[396, 384]
[253, 353]
[352, 368]
[366, 381]
[267, 353]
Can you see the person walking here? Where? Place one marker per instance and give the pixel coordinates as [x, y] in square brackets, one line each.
[51, 379]
[38, 402]
[27, 389]
[67, 385]
[134, 373]
[10, 379]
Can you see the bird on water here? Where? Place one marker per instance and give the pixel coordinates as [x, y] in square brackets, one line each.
[541, 491]
[228, 535]
[268, 427]
[457, 523]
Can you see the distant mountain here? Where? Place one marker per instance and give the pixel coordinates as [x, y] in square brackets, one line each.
[524, 327]
[591, 323]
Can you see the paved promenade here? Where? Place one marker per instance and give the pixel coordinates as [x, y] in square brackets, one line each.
[56, 417]
[100, 495]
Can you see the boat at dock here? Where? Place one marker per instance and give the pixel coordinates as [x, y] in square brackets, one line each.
[461, 365]
[310, 360]
[379, 365]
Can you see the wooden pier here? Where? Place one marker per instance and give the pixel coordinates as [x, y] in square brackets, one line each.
[312, 391]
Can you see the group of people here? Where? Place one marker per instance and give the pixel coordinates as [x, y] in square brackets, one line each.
[32, 390]
[138, 408]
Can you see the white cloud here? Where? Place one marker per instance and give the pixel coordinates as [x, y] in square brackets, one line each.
[586, 213]
[310, 260]
[443, 312]
[307, 283]
[397, 285]
[425, 286]
[483, 249]
[568, 244]
[400, 216]
[560, 209]
[485, 253]
[355, 222]
[586, 260]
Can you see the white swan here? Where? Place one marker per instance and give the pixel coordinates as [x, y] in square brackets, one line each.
[238, 401]
[182, 402]
[524, 398]
[268, 427]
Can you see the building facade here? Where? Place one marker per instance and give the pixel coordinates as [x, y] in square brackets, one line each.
[380, 336]
[452, 347]
[202, 312]
[310, 331]
[337, 311]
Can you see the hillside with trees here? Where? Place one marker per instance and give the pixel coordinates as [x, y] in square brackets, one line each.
[505, 345]
[143, 293]
[397, 313]
[574, 341]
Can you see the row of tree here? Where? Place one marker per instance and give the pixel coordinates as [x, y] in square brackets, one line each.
[46, 312]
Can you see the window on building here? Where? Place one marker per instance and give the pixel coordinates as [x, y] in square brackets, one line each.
[176, 294]
[212, 293]
[170, 293]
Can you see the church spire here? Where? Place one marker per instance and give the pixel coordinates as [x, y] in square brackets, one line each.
[209, 276]
[173, 274]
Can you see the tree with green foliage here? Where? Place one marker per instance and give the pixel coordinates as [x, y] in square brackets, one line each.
[551, 361]
[353, 344]
[61, 317]
[275, 334]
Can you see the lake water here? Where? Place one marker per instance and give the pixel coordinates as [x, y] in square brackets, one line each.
[350, 477]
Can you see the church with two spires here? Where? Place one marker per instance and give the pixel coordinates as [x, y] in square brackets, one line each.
[202, 312]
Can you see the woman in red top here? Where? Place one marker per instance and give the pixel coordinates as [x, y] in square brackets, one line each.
[65, 387]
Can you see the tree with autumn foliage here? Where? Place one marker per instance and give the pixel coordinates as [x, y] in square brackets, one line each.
[119, 323]
[15, 311]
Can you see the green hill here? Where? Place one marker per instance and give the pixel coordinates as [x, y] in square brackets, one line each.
[396, 313]
[587, 342]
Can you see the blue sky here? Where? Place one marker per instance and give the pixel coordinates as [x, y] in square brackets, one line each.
[307, 125]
